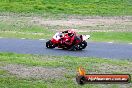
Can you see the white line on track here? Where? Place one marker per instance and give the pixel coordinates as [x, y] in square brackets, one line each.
[41, 39]
[1, 37]
[129, 43]
[110, 42]
[23, 38]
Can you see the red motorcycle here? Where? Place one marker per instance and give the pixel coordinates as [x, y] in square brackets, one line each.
[79, 42]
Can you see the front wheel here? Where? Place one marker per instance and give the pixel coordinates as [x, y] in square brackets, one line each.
[83, 45]
[49, 44]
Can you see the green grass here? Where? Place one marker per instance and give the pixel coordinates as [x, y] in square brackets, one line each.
[29, 32]
[82, 7]
[112, 36]
[95, 36]
[11, 29]
[69, 62]
[55, 61]
[13, 82]
[38, 32]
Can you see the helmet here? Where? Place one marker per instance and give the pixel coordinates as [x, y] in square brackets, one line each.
[71, 33]
[61, 35]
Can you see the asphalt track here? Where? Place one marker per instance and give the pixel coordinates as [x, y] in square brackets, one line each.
[94, 49]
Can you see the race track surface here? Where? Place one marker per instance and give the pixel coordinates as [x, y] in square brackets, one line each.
[94, 49]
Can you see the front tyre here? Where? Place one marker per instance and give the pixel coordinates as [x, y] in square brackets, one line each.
[49, 44]
[83, 45]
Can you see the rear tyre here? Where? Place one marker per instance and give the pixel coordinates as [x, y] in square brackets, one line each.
[73, 48]
[65, 48]
[49, 44]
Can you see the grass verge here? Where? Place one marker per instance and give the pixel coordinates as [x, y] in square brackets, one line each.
[29, 32]
[111, 36]
[95, 36]
[92, 65]
[83, 7]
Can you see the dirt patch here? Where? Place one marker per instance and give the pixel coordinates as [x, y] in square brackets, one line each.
[34, 72]
[115, 69]
[80, 23]
[105, 68]
[98, 24]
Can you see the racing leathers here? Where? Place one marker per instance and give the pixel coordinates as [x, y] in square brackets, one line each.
[68, 39]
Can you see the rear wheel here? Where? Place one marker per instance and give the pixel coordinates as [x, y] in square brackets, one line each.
[74, 48]
[49, 44]
[64, 48]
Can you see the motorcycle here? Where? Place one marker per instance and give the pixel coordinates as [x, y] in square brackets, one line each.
[79, 42]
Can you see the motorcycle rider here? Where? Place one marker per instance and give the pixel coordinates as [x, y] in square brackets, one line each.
[69, 37]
